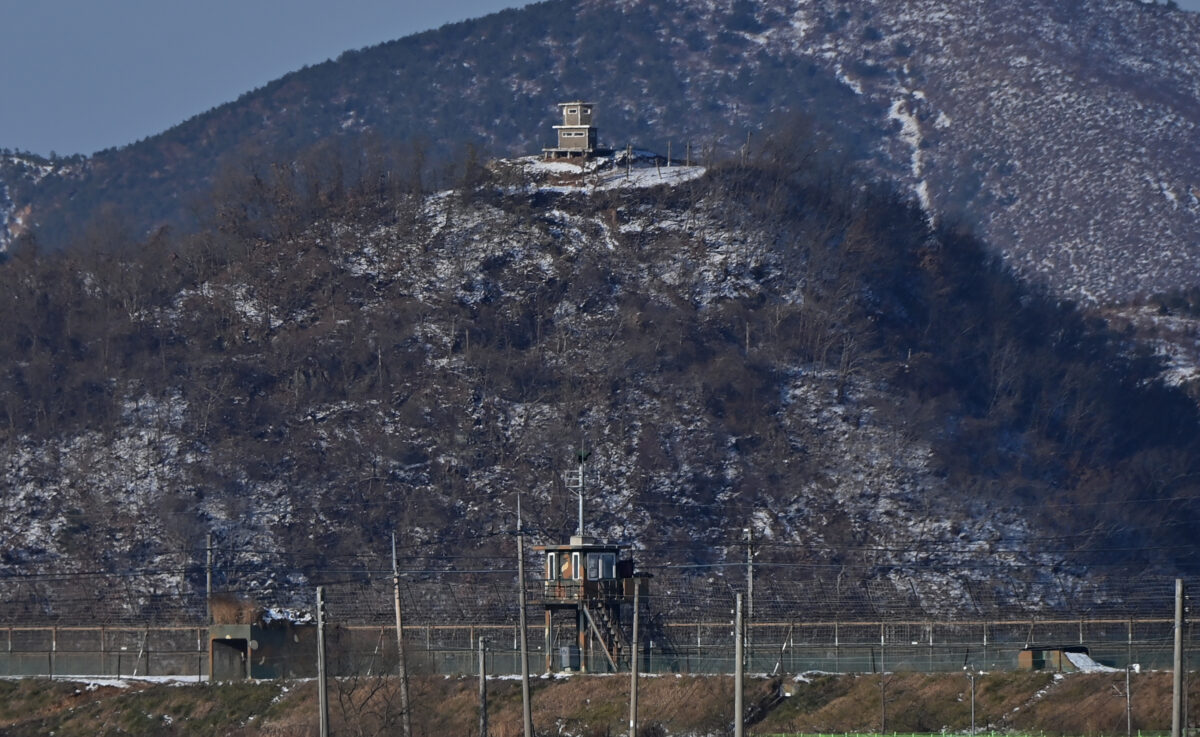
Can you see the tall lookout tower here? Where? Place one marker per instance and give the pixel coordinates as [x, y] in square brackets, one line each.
[576, 135]
[587, 584]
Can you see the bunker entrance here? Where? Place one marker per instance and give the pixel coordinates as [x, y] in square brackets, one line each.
[229, 660]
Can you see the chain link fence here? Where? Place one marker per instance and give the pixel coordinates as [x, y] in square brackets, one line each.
[155, 622]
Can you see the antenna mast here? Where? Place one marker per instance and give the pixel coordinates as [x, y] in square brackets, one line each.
[574, 480]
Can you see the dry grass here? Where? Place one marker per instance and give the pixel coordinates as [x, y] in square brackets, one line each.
[229, 609]
[590, 706]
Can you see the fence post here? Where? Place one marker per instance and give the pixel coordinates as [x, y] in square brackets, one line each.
[53, 649]
[985, 652]
[930, 625]
[1129, 643]
[882, 649]
[837, 650]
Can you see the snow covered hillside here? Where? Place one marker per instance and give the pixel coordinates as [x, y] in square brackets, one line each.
[749, 347]
[1065, 133]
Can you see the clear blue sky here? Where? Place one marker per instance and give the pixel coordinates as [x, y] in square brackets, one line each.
[77, 76]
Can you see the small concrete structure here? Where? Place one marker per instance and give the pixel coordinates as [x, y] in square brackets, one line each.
[1049, 658]
[280, 649]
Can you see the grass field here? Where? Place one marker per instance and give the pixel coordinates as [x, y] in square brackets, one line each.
[1011, 704]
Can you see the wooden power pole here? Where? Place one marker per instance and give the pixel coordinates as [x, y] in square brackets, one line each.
[402, 665]
[1128, 703]
[208, 581]
[1177, 681]
[739, 674]
[483, 715]
[749, 579]
[322, 689]
[527, 713]
[634, 666]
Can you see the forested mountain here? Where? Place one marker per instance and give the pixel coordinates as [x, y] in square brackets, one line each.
[1066, 133]
[765, 345]
[847, 332]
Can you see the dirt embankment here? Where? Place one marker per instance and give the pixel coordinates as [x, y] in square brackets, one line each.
[1028, 703]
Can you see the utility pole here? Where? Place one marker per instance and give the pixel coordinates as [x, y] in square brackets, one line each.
[633, 667]
[883, 683]
[402, 665]
[971, 678]
[322, 690]
[1177, 680]
[208, 581]
[1128, 703]
[749, 589]
[739, 674]
[483, 715]
[575, 480]
[527, 713]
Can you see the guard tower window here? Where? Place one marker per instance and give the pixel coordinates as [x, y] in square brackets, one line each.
[576, 568]
[601, 565]
[572, 111]
[551, 566]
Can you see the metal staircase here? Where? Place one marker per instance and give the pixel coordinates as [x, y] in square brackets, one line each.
[608, 632]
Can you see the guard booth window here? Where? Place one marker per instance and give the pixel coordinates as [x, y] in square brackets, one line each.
[576, 568]
[551, 566]
[601, 565]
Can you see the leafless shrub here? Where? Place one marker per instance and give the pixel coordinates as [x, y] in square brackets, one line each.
[230, 609]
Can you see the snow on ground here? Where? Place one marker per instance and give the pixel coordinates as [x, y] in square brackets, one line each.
[282, 614]
[910, 133]
[1085, 664]
[91, 683]
[606, 173]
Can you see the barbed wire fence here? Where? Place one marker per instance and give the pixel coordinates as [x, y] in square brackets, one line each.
[154, 621]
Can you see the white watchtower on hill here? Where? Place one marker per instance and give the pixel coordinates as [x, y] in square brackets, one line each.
[576, 135]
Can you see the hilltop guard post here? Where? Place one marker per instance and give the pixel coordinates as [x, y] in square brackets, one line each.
[576, 135]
